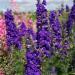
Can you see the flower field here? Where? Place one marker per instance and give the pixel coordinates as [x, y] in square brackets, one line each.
[38, 43]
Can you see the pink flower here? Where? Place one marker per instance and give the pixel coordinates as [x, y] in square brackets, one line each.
[2, 31]
[2, 28]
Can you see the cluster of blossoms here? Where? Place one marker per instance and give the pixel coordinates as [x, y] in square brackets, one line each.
[12, 35]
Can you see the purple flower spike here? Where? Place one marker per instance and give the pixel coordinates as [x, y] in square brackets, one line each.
[33, 63]
[12, 37]
[56, 30]
[43, 35]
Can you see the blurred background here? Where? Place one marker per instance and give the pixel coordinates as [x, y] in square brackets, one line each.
[30, 5]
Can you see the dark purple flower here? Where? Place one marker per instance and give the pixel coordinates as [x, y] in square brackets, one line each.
[12, 37]
[33, 63]
[56, 30]
[43, 35]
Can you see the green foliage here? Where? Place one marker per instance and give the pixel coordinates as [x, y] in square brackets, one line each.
[14, 63]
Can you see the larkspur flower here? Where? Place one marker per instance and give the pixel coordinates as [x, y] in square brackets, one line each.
[12, 37]
[43, 34]
[33, 63]
[31, 68]
[56, 30]
[61, 44]
[33, 56]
